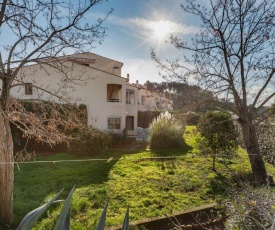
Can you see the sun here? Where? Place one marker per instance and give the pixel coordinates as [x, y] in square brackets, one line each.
[161, 29]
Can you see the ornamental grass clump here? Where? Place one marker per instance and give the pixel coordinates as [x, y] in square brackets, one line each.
[165, 132]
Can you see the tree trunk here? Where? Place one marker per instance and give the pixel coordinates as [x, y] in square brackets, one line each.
[6, 171]
[255, 158]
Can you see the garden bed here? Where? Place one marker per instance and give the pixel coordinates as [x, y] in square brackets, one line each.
[207, 216]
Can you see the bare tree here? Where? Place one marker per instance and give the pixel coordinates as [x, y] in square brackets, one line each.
[233, 54]
[250, 208]
[32, 31]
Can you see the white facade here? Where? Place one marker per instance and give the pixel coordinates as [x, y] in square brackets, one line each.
[89, 79]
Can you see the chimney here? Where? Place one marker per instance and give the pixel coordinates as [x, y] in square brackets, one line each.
[137, 83]
[128, 78]
[116, 70]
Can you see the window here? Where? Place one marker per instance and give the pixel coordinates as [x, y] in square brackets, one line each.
[114, 93]
[130, 123]
[143, 98]
[130, 97]
[113, 122]
[28, 88]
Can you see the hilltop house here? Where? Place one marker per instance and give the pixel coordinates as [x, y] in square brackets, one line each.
[112, 102]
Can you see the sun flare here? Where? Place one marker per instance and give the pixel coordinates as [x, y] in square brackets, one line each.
[161, 29]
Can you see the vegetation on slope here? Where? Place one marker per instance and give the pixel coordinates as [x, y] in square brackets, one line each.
[151, 187]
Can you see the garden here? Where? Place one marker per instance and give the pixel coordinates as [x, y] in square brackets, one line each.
[152, 182]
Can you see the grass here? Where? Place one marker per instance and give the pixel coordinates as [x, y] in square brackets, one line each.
[150, 187]
[36, 183]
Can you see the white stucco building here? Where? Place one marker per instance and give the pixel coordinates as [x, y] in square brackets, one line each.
[112, 102]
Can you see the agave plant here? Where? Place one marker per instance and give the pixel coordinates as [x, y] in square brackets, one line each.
[63, 222]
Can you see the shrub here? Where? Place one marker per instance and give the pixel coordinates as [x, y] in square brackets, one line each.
[251, 208]
[165, 132]
[219, 137]
[192, 118]
[266, 139]
[90, 141]
[117, 138]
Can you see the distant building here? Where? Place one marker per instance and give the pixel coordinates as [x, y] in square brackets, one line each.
[112, 102]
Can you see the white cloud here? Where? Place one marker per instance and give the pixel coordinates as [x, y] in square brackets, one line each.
[141, 70]
[150, 25]
[146, 69]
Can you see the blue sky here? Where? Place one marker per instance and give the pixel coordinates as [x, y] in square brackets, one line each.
[136, 26]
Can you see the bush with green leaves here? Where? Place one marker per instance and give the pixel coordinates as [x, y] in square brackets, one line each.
[266, 139]
[192, 118]
[90, 141]
[219, 137]
[118, 138]
[251, 208]
[165, 132]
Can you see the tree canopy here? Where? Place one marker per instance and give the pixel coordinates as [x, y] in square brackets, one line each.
[185, 97]
[38, 32]
[233, 54]
[219, 135]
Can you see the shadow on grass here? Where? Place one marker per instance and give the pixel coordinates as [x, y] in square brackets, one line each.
[168, 157]
[37, 182]
[221, 183]
[180, 151]
[128, 148]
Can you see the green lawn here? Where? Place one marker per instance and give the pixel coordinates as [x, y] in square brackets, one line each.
[149, 187]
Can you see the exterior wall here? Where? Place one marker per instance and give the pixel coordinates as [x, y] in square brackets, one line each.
[83, 80]
[89, 86]
[102, 63]
[132, 109]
